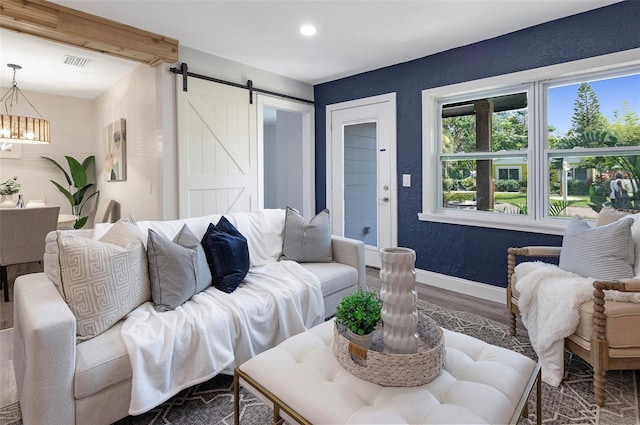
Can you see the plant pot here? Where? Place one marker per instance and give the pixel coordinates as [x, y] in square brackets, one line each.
[361, 340]
[6, 201]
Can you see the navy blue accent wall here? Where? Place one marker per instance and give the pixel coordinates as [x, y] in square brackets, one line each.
[477, 254]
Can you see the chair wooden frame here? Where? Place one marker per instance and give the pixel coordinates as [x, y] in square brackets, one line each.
[598, 355]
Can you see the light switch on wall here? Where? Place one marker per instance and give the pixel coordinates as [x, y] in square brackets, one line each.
[406, 180]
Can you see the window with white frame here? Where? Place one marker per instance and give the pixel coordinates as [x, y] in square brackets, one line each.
[529, 150]
[481, 138]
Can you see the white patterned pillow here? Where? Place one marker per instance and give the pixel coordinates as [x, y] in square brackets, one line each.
[103, 280]
[603, 252]
[52, 254]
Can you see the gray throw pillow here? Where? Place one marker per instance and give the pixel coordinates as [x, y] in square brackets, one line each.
[307, 241]
[603, 252]
[178, 269]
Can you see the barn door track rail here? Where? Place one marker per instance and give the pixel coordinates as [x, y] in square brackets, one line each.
[184, 71]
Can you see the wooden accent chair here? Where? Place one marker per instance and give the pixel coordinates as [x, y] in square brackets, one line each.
[22, 237]
[607, 336]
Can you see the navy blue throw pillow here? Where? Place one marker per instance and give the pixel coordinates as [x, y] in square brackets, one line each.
[227, 253]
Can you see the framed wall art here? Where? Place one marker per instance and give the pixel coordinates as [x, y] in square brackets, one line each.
[10, 150]
[115, 162]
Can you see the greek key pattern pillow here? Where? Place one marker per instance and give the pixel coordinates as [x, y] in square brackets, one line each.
[103, 280]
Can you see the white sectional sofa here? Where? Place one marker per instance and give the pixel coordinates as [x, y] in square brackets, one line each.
[63, 381]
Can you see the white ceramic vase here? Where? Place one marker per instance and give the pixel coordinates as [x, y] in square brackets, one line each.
[399, 297]
[6, 201]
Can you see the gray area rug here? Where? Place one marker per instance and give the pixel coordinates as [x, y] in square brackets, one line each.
[572, 403]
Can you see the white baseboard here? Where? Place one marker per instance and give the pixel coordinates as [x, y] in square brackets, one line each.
[463, 286]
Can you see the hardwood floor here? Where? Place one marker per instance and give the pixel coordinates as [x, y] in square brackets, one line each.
[450, 299]
[442, 297]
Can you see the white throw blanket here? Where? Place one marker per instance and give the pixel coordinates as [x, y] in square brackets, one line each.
[549, 307]
[215, 331]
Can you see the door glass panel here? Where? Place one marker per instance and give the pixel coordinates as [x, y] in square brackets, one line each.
[360, 182]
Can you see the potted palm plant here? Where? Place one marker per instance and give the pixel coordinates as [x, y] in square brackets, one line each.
[79, 190]
[359, 313]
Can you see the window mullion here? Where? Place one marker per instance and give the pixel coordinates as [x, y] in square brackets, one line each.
[539, 143]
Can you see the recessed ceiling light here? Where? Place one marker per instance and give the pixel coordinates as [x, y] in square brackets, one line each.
[308, 30]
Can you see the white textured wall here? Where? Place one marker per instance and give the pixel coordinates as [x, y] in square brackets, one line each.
[288, 164]
[72, 133]
[270, 174]
[225, 69]
[136, 99]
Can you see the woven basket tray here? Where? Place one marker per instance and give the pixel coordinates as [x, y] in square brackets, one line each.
[394, 370]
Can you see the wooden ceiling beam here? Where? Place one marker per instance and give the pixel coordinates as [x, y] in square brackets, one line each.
[62, 24]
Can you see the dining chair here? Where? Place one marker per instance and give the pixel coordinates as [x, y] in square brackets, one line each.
[106, 211]
[22, 237]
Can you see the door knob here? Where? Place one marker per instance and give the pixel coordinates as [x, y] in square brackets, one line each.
[385, 199]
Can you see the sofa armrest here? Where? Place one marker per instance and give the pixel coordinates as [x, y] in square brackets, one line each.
[351, 252]
[44, 351]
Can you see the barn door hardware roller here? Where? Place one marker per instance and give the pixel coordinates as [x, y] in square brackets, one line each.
[184, 71]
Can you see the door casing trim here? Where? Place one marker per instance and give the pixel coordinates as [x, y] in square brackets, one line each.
[308, 149]
[389, 98]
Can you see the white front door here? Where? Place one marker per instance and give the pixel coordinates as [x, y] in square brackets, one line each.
[217, 149]
[361, 172]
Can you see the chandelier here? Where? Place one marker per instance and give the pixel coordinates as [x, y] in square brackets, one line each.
[20, 128]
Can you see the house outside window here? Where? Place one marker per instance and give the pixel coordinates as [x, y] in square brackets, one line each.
[505, 173]
[529, 150]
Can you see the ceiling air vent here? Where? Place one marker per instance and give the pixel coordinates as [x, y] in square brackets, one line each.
[76, 61]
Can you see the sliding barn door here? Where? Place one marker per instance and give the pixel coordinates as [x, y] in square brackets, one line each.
[217, 149]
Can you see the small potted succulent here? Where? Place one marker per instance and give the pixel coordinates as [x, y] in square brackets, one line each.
[359, 313]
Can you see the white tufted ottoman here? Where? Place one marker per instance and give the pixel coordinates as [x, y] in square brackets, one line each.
[303, 381]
